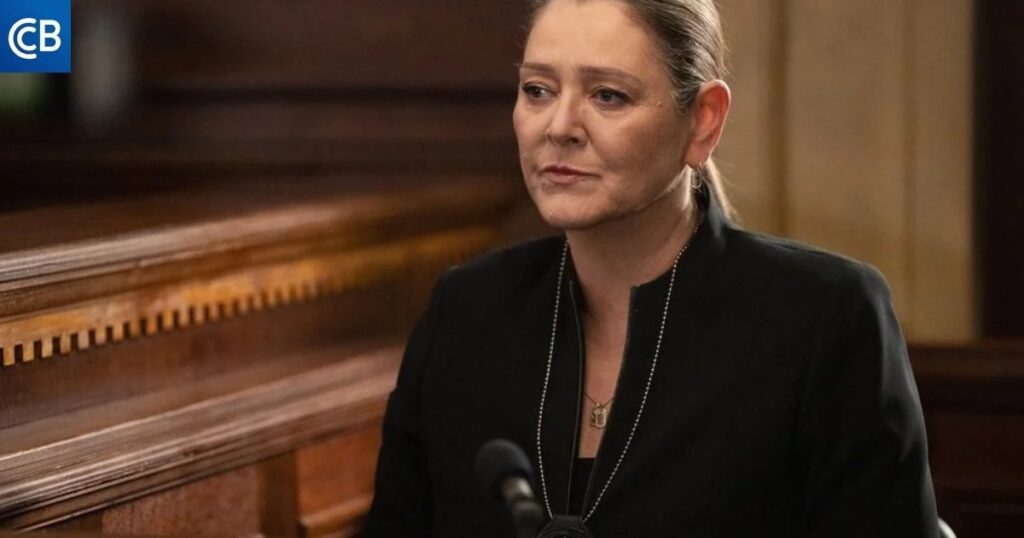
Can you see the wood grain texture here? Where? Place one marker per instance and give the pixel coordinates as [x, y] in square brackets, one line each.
[282, 94]
[167, 364]
[61, 478]
[214, 333]
[225, 505]
[279, 496]
[336, 482]
[182, 261]
[68, 243]
[192, 303]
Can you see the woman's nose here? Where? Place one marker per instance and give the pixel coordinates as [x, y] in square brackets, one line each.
[566, 127]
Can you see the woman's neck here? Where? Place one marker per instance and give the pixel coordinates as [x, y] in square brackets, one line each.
[614, 256]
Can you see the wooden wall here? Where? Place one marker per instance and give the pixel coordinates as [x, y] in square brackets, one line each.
[852, 131]
[999, 128]
[223, 92]
[234, 110]
[973, 399]
[851, 128]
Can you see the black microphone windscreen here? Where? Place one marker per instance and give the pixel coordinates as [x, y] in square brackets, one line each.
[499, 459]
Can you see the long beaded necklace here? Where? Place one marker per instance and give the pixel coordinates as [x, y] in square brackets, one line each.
[568, 525]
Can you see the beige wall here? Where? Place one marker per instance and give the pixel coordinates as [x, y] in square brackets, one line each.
[851, 130]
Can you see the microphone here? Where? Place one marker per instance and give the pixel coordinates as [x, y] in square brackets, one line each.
[505, 473]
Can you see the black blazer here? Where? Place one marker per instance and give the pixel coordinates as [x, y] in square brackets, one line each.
[783, 402]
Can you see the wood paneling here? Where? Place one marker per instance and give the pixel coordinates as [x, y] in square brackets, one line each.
[270, 44]
[89, 471]
[846, 145]
[279, 496]
[228, 505]
[205, 199]
[973, 399]
[450, 119]
[999, 127]
[336, 482]
[264, 212]
[275, 279]
[850, 131]
[259, 344]
[750, 156]
[940, 246]
[269, 366]
[276, 90]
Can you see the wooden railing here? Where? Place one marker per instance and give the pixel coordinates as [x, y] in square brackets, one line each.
[163, 354]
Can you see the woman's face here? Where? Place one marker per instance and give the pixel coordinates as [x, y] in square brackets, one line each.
[600, 137]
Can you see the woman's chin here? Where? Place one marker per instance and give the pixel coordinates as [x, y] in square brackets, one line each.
[571, 210]
[571, 219]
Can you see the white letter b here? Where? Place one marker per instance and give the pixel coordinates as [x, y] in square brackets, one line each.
[49, 35]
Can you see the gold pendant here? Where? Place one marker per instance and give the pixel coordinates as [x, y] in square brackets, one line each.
[599, 417]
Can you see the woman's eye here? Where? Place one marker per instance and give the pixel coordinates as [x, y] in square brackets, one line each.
[533, 91]
[610, 97]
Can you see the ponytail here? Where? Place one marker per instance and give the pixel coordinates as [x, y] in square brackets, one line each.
[710, 176]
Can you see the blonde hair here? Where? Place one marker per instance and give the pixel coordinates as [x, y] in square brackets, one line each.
[689, 34]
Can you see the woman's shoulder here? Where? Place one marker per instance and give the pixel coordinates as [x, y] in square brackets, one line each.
[533, 254]
[506, 270]
[799, 266]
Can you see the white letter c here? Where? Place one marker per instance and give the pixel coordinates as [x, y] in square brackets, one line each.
[16, 38]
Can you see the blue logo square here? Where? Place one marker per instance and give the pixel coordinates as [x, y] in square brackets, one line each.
[36, 36]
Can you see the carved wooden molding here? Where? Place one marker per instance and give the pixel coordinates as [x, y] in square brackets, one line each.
[64, 478]
[174, 263]
[160, 271]
[149, 311]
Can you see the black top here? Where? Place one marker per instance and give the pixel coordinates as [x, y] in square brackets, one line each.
[783, 404]
[580, 478]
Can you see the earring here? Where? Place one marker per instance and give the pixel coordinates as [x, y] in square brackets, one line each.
[697, 178]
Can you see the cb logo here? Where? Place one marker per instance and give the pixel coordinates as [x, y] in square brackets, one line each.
[49, 37]
[38, 36]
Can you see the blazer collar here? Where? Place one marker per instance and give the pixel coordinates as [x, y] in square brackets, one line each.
[701, 257]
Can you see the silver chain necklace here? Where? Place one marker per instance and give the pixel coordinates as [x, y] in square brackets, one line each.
[643, 400]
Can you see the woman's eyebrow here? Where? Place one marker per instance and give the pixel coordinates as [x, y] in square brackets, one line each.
[534, 66]
[589, 70]
[608, 72]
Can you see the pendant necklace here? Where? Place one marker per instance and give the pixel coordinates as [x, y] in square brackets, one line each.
[566, 526]
[599, 414]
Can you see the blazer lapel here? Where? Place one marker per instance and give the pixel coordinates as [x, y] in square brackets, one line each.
[561, 407]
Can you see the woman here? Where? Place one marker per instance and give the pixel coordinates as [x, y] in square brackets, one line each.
[672, 374]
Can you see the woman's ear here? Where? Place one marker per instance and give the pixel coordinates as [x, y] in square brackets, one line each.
[708, 114]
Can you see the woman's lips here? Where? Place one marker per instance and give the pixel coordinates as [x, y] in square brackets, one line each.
[565, 175]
